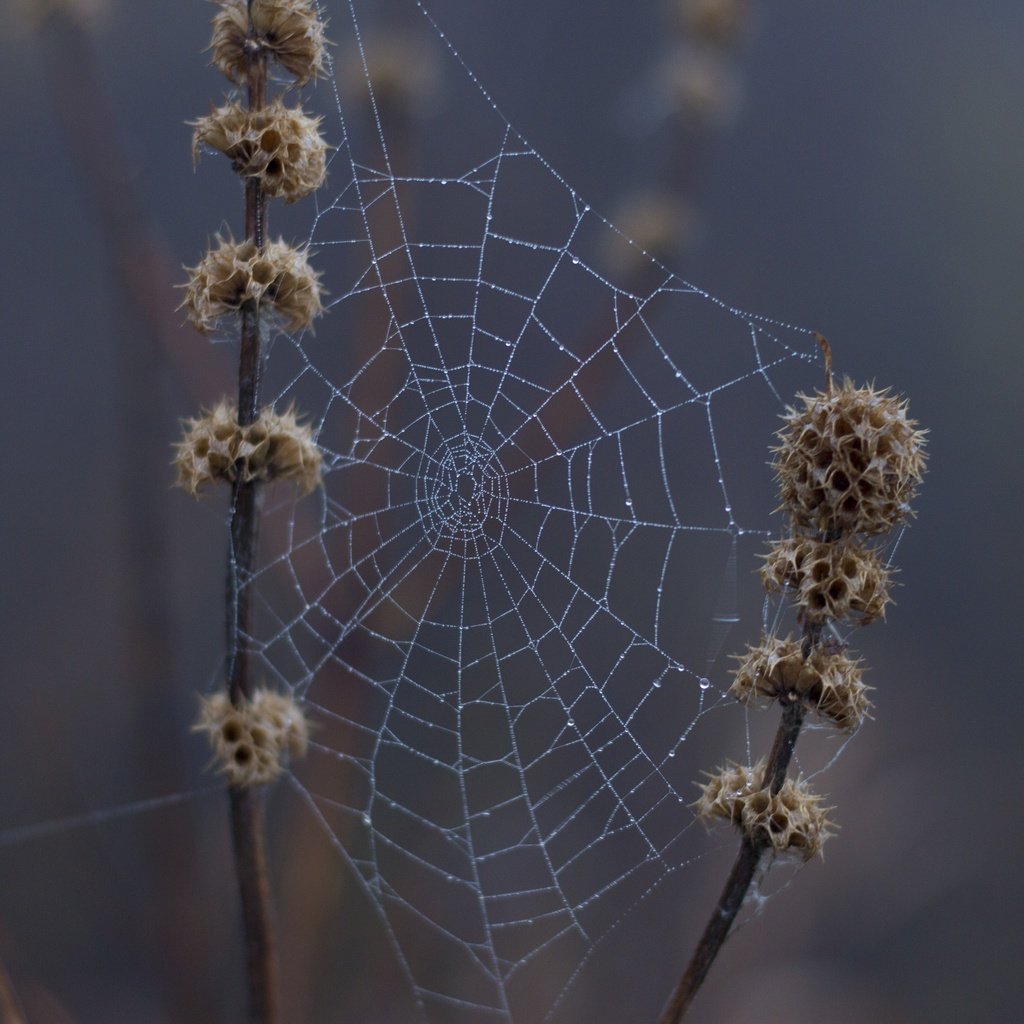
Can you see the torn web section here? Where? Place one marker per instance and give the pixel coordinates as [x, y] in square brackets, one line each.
[507, 614]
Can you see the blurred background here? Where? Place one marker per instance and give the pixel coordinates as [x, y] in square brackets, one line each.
[852, 168]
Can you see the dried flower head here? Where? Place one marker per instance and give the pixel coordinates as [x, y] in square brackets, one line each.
[275, 447]
[35, 12]
[725, 792]
[251, 742]
[790, 821]
[278, 278]
[279, 146]
[287, 30]
[828, 681]
[850, 460]
[701, 86]
[717, 22]
[654, 223]
[841, 581]
[402, 72]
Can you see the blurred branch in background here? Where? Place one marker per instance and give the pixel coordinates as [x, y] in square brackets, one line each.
[683, 103]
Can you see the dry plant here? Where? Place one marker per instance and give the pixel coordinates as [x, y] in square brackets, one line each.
[848, 465]
[260, 285]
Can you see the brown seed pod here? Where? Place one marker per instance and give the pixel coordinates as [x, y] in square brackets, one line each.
[653, 224]
[842, 581]
[401, 73]
[790, 821]
[279, 146]
[723, 795]
[701, 85]
[275, 447]
[716, 22]
[287, 30]
[279, 280]
[252, 742]
[850, 461]
[828, 682]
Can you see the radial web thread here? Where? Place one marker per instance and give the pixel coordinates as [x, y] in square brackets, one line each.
[545, 487]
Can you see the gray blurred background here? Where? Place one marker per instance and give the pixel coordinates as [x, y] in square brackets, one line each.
[867, 184]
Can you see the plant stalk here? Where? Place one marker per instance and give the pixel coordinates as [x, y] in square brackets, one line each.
[743, 870]
[246, 803]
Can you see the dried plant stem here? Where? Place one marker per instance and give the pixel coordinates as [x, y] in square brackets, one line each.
[247, 820]
[743, 870]
[747, 859]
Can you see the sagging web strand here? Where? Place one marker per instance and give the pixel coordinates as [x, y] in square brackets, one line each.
[506, 612]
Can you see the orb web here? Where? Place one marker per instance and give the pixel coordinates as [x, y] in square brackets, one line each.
[545, 489]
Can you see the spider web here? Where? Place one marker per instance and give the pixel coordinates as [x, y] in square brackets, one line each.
[544, 472]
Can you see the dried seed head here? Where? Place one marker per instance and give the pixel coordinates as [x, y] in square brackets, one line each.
[35, 12]
[832, 581]
[850, 461]
[287, 30]
[701, 86]
[828, 682]
[725, 792]
[281, 147]
[657, 224]
[790, 821]
[253, 741]
[402, 73]
[275, 447]
[717, 22]
[278, 280]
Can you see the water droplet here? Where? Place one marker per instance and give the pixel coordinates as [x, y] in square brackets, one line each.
[704, 682]
[571, 724]
[656, 684]
[575, 260]
[671, 753]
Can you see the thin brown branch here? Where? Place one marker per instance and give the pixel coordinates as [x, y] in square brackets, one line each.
[247, 834]
[247, 824]
[745, 867]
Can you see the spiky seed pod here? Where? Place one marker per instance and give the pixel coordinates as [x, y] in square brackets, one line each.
[275, 447]
[657, 223]
[827, 682]
[252, 742]
[279, 146]
[842, 581]
[850, 461]
[35, 12]
[716, 22]
[701, 86]
[790, 821]
[402, 74]
[288, 30]
[723, 795]
[278, 280]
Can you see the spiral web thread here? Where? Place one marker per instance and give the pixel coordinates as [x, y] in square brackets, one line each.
[544, 473]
